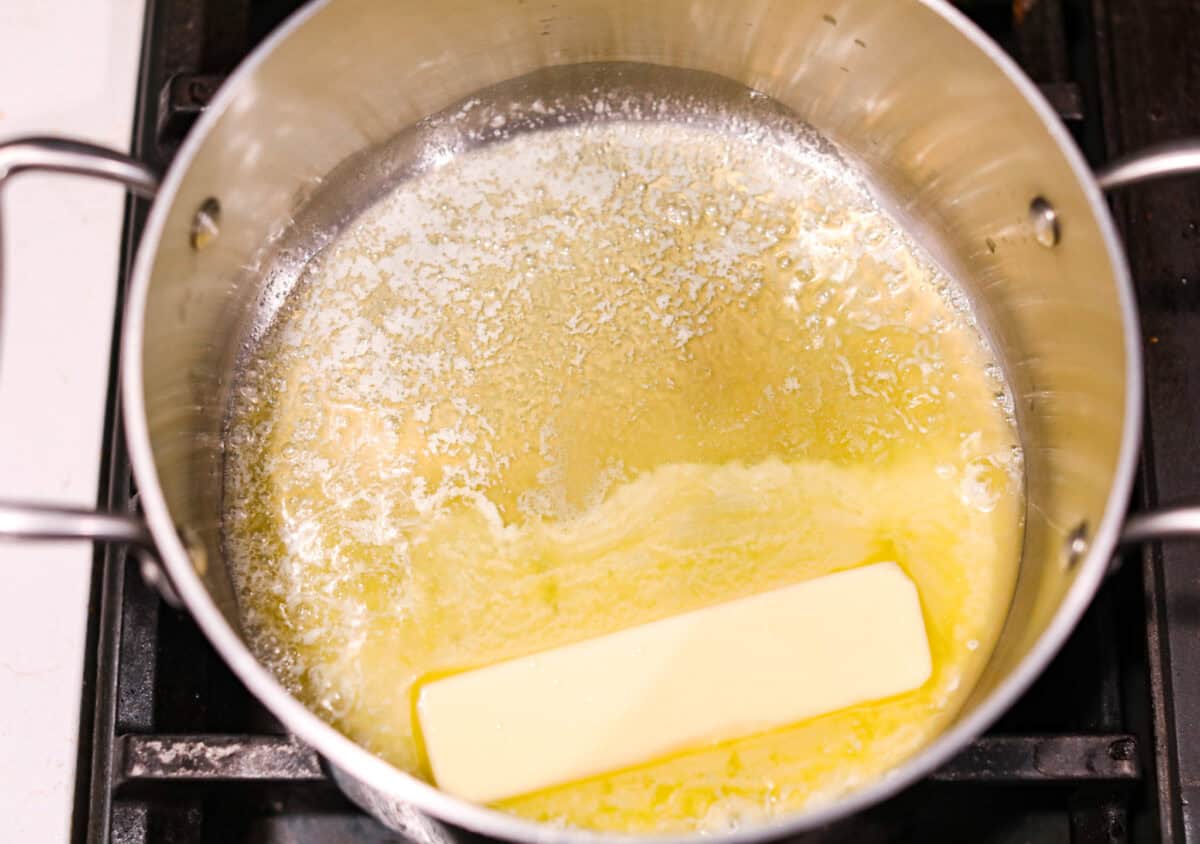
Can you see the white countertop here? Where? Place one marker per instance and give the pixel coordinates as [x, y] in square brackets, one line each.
[65, 68]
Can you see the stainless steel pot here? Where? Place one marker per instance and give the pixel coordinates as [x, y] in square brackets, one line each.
[939, 117]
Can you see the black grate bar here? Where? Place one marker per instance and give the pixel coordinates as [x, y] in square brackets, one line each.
[1043, 759]
[183, 99]
[1074, 758]
[1065, 98]
[216, 758]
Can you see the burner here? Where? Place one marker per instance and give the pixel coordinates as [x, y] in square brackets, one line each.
[1104, 748]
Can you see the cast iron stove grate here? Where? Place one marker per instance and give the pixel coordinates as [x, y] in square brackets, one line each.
[174, 749]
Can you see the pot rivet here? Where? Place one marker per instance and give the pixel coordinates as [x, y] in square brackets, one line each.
[1077, 545]
[1045, 221]
[205, 224]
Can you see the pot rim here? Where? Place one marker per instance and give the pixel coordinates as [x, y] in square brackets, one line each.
[355, 761]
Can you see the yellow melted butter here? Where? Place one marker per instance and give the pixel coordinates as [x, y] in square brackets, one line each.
[593, 377]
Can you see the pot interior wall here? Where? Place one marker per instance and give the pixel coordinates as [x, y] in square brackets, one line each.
[951, 142]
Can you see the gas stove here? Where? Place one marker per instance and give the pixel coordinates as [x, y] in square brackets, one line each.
[1104, 748]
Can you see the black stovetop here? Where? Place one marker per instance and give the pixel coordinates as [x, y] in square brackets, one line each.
[1104, 748]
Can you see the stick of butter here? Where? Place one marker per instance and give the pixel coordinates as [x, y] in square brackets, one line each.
[706, 676]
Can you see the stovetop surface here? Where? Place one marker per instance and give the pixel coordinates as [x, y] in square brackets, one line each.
[1104, 748]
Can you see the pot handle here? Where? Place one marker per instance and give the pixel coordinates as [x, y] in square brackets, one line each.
[19, 520]
[1175, 522]
[1174, 158]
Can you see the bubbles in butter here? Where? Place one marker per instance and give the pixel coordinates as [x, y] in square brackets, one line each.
[591, 376]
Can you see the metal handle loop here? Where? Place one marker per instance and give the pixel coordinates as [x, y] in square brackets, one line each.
[1177, 522]
[62, 155]
[36, 521]
[1169, 159]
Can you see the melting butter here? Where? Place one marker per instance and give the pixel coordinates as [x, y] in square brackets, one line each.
[588, 378]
